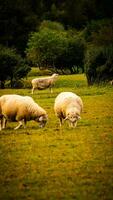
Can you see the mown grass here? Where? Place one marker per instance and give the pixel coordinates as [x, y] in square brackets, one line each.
[61, 163]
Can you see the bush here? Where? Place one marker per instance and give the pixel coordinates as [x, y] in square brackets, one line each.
[12, 66]
[99, 56]
[56, 49]
[99, 65]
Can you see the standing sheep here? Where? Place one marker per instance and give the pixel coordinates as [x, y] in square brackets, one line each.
[43, 83]
[68, 106]
[21, 109]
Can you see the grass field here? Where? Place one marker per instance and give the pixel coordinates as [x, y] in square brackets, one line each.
[56, 163]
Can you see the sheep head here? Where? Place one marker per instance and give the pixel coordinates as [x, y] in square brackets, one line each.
[55, 75]
[72, 115]
[42, 120]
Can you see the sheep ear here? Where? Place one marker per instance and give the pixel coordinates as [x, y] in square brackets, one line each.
[79, 117]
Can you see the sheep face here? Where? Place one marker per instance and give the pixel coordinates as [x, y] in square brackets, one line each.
[42, 120]
[72, 116]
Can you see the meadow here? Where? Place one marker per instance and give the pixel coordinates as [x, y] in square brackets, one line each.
[60, 163]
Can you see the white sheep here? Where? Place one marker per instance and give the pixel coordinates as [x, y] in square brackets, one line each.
[111, 82]
[43, 83]
[68, 106]
[21, 109]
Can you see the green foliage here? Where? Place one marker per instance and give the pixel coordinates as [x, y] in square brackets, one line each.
[17, 20]
[51, 25]
[12, 66]
[100, 32]
[35, 71]
[56, 49]
[45, 46]
[99, 64]
[73, 56]
[99, 60]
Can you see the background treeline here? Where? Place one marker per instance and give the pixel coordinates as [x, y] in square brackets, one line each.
[63, 36]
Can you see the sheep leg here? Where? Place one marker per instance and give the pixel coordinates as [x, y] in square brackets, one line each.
[21, 123]
[60, 122]
[1, 121]
[32, 90]
[0, 124]
[72, 124]
[75, 124]
[4, 122]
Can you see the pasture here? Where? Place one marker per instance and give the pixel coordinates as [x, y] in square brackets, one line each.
[56, 163]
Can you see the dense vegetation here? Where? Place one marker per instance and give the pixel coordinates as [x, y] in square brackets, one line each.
[65, 36]
[60, 163]
[13, 66]
[56, 49]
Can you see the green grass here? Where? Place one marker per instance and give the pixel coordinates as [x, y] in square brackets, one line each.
[56, 163]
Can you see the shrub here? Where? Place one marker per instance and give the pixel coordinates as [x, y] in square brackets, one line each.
[99, 56]
[99, 65]
[56, 49]
[12, 66]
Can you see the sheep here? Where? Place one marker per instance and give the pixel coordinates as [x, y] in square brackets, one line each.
[43, 83]
[68, 106]
[21, 109]
[111, 82]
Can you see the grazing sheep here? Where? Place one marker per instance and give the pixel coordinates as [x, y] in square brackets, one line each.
[68, 106]
[21, 109]
[43, 83]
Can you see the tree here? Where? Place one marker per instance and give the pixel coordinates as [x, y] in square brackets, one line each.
[72, 58]
[55, 48]
[52, 25]
[99, 59]
[45, 46]
[99, 64]
[17, 20]
[12, 66]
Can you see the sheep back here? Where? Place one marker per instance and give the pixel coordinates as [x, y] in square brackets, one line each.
[67, 100]
[16, 107]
